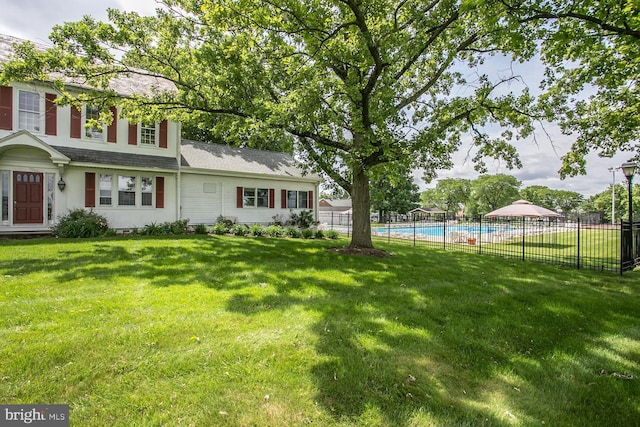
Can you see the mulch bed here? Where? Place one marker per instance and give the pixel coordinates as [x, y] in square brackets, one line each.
[371, 252]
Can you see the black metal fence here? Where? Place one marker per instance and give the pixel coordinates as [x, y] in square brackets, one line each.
[630, 246]
[580, 243]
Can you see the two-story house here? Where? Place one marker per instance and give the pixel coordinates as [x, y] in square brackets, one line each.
[52, 161]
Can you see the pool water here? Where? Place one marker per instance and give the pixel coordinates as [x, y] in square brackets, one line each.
[438, 230]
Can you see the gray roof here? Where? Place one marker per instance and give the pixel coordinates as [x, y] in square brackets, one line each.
[222, 158]
[119, 159]
[124, 85]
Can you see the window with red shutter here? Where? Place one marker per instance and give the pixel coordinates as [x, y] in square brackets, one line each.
[239, 197]
[163, 134]
[89, 190]
[76, 123]
[159, 192]
[133, 134]
[112, 129]
[51, 115]
[6, 107]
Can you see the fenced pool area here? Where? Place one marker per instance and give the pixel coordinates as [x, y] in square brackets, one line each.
[578, 244]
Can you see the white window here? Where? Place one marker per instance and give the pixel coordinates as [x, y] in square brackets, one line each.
[106, 184]
[148, 134]
[297, 199]
[29, 111]
[146, 188]
[303, 199]
[93, 131]
[126, 190]
[256, 197]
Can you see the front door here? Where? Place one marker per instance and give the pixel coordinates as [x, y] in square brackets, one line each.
[27, 198]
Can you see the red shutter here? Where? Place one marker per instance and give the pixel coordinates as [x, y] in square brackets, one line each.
[283, 199]
[50, 115]
[272, 198]
[159, 192]
[76, 122]
[310, 200]
[89, 190]
[239, 197]
[133, 134]
[112, 129]
[163, 134]
[6, 107]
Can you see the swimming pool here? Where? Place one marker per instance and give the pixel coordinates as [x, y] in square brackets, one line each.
[439, 230]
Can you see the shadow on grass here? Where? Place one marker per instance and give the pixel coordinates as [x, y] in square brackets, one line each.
[422, 337]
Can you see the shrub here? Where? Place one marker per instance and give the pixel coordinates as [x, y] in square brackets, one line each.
[226, 222]
[307, 233]
[279, 220]
[331, 234]
[256, 230]
[220, 229]
[177, 227]
[152, 229]
[319, 234]
[302, 220]
[81, 223]
[274, 231]
[292, 232]
[240, 230]
[200, 229]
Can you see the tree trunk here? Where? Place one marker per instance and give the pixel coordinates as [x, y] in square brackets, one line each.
[361, 204]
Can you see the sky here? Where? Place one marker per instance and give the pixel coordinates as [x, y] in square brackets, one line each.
[541, 157]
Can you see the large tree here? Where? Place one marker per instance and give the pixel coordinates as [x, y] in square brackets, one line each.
[593, 66]
[354, 86]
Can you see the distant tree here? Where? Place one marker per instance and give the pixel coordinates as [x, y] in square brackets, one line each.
[601, 202]
[564, 200]
[394, 193]
[490, 192]
[430, 198]
[450, 195]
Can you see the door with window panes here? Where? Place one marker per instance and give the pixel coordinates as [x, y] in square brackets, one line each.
[27, 198]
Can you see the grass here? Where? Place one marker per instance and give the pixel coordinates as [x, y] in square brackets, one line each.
[207, 330]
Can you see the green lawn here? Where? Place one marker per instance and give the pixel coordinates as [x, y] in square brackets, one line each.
[208, 331]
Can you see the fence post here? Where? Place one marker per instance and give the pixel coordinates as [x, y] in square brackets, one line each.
[578, 260]
[389, 229]
[414, 229]
[480, 237]
[523, 234]
[444, 232]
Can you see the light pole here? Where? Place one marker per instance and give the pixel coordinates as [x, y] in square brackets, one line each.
[629, 169]
[613, 197]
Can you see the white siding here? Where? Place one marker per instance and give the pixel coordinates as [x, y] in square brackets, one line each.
[200, 207]
[201, 198]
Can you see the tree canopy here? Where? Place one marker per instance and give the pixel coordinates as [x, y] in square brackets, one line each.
[490, 192]
[394, 193]
[593, 66]
[355, 88]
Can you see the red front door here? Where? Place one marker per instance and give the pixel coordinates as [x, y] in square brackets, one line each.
[27, 198]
